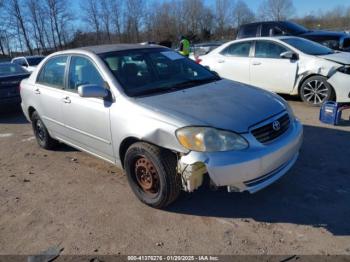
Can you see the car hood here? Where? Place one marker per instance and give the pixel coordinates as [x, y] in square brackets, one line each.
[223, 104]
[338, 57]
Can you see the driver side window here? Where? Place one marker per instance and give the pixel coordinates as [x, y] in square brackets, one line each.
[82, 72]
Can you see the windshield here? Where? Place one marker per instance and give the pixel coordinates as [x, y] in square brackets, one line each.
[11, 69]
[308, 47]
[33, 61]
[294, 28]
[150, 71]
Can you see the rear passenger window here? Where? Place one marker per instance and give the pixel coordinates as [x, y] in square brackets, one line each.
[83, 72]
[265, 49]
[52, 73]
[238, 49]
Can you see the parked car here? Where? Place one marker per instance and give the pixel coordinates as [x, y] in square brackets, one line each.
[28, 62]
[285, 65]
[10, 78]
[334, 40]
[165, 119]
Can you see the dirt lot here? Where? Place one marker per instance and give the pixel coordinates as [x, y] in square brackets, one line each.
[84, 205]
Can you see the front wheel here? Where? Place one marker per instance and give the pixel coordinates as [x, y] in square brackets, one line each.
[316, 90]
[152, 175]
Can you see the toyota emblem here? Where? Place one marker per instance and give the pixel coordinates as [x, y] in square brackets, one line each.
[276, 125]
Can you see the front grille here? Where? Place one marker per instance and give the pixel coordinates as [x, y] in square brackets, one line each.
[268, 133]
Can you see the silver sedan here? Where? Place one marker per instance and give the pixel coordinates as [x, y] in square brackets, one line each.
[166, 120]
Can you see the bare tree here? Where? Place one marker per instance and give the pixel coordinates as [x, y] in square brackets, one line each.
[134, 17]
[106, 16]
[58, 14]
[117, 8]
[14, 10]
[92, 15]
[242, 14]
[276, 9]
[223, 16]
[35, 13]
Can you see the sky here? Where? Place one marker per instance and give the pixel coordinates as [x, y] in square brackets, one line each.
[305, 7]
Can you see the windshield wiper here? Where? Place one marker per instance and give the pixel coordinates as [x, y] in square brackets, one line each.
[195, 82]
[176, 87]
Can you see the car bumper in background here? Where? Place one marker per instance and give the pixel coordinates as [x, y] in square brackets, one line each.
[341, 84]
[256, 167]
[10, 102]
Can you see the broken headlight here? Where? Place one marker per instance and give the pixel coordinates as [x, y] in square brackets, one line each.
[208, 139]
[344, 70]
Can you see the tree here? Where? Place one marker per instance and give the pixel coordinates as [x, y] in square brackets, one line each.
[223, 15]
[276, 9]
[92, 16]
[242, 14]
[14, 10]
[134, 15]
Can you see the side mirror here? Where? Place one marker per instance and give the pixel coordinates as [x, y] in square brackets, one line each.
[92, 90]
[289, 55]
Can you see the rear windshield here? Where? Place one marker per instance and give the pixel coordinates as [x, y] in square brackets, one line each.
[293, 28]
[11, 69]
[33, 61]
[149, 71]
[308, 47]
[248, 31]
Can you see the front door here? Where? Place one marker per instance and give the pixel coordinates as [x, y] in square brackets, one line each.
[86, 120]
[271, 72]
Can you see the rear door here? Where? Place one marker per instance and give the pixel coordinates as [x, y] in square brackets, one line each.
[233, 62]
[48, 90]
[86, 120]
[271, 72]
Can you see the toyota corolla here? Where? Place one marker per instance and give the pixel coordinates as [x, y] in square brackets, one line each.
[166, 120]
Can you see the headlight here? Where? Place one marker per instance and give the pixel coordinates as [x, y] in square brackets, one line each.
[344, 70]
[208, 139]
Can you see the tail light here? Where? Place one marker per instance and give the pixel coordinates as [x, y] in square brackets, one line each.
[198, 60]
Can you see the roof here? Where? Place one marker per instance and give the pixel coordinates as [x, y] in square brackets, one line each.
[33, 56]
[100, 49]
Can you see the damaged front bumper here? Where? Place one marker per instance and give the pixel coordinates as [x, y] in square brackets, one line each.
[341, 84]
[254, 168]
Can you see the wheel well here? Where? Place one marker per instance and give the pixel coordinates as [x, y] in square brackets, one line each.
[309, 76]
[31, 110]
[125, 144]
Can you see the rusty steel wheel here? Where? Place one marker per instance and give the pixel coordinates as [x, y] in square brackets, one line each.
[152, 175]
[146, 175]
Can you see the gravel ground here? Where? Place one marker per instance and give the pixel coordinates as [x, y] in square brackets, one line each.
[84, 205]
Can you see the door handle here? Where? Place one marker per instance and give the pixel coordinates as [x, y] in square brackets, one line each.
[221, 61]
[66, 100]
[37, 91]
[256, 63]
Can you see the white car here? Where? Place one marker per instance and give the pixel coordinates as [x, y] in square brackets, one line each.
[29, 63]
[286, 65]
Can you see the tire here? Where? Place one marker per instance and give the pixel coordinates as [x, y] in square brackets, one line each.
[152, 175]
[41, 134]
[316, 90]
